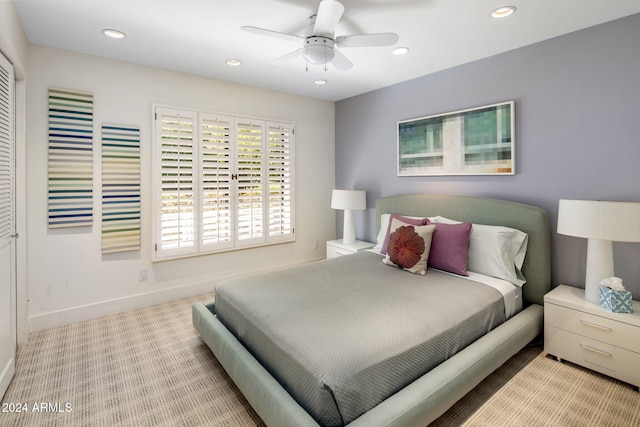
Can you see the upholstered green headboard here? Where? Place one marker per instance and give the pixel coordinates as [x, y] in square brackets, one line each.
[529, 219]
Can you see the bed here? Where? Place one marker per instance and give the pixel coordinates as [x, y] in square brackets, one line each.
[421, 400]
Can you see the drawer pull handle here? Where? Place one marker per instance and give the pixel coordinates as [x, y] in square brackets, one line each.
[595, 350]
[593, 325]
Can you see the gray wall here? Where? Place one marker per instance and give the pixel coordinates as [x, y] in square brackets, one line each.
[577, 133]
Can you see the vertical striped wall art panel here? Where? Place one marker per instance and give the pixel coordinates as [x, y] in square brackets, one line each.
[70, 158]
[120, 188]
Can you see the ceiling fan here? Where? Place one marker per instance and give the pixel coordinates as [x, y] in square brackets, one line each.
[319, 44]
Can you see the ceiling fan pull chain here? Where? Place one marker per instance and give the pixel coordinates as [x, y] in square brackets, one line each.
[325, 58]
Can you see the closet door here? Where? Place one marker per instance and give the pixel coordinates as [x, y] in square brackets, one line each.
[7, 226]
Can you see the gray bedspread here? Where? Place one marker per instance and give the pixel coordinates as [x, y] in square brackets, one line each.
[342, 335]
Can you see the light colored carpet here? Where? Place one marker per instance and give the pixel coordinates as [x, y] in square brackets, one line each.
[533, 389]
[146, 367]
[149, 368]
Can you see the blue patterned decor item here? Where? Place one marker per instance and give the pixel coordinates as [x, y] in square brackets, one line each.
[70, 158]
[615, 301]
[120, 188]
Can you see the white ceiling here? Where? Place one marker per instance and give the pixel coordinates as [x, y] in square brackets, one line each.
[198, 36]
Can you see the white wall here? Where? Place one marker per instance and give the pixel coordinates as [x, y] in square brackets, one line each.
[68, 278]
[13, 41]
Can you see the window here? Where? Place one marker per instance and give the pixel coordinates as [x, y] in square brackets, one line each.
[220, 182]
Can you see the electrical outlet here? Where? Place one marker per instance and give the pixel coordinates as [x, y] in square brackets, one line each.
[142, 274]
[316, 245]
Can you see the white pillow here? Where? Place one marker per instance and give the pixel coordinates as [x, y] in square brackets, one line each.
[495, 251]
[384, 226]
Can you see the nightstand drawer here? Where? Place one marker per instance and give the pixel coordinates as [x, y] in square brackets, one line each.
[595, 327]
[336, 248]
[581, 349]
[333, 252]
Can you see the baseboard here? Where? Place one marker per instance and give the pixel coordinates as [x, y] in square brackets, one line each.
[105, 308]
[8, 371]
[76, 314]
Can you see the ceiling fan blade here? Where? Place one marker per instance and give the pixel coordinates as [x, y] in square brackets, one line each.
[329, 14]
[288, 57]
[367, 40]
[271, 33]
[340, 61]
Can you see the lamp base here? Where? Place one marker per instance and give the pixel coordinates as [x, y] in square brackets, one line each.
[349, 227]
[599, 266]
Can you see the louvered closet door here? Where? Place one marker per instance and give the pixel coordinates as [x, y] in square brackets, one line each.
[7, 227]
[217, 205]
[250, 184]
[280, 170]
[178, 134]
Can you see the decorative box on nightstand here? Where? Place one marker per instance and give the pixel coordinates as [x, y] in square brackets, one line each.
[586, 334]
[336, 248]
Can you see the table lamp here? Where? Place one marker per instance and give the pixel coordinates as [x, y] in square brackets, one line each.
[348, 200]
[602, 223]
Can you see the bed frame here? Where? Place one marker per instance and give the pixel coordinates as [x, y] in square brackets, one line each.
[431, 395]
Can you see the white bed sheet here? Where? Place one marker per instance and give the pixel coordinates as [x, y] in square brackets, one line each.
[511, 294]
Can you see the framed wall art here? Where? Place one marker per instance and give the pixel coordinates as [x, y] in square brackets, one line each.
[476, 141]
[120, 188]
[70, 158]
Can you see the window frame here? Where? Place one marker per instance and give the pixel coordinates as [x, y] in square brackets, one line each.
[204, 153]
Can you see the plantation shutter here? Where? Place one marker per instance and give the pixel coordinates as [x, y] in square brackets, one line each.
[217, 194]
[250, 181]
[6, 151]
[220, 182]
[280, 169]
[177, 151]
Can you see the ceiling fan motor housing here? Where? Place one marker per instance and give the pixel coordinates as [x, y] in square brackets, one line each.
[319, 49]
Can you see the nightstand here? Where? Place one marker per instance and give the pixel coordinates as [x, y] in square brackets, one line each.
[336, 248]
[588, 335]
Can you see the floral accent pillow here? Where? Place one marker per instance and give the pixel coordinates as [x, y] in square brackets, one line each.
[409, 246]
[406, 220]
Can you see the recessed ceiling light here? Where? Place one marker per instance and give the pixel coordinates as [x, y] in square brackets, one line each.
[320, 82]
[503, 12]
[114, 34]
[234, 62]
[400, 50]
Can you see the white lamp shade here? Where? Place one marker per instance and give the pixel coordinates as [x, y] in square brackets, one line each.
[614, 221]
[601, 223]
[349, 199]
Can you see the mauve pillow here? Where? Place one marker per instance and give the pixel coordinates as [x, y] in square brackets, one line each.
[406, 220]
[449, 247]
[495, 251]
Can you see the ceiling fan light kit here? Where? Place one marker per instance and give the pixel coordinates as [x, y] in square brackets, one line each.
[319, 44]
[319, 50]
